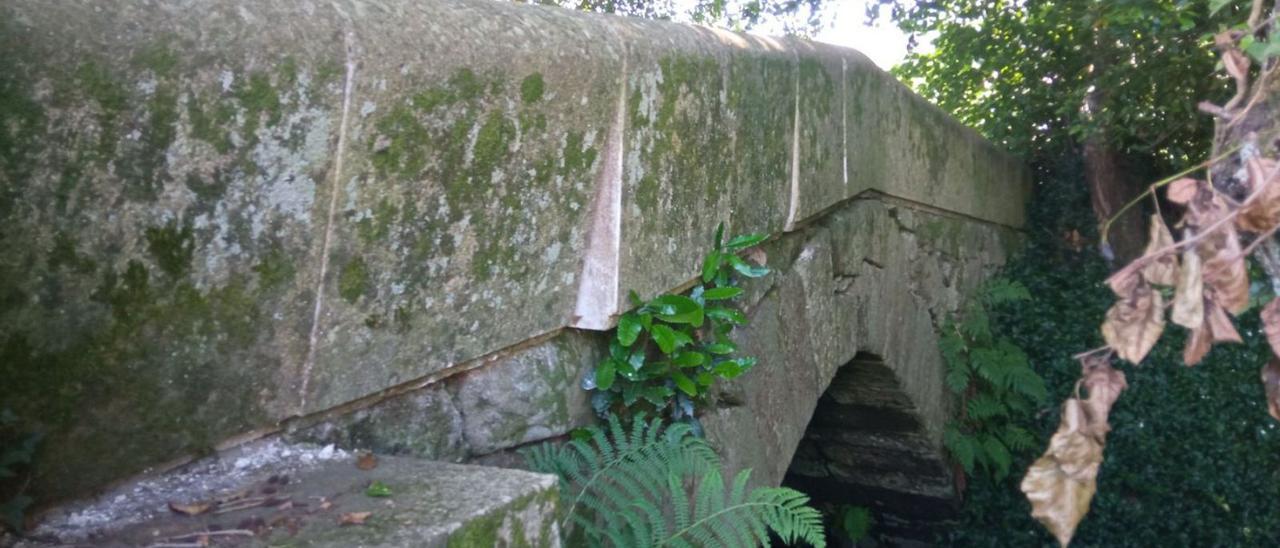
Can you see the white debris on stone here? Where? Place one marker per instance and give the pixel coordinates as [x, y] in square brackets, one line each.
[143, 499]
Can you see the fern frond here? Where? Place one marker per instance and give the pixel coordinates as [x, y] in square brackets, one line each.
[782, 510]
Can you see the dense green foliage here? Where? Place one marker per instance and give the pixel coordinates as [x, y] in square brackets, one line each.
[1194, 458]
[793, 15]
[998, 390]
[669, 351]
[628, 488]
[1021, 72]
[17, 449]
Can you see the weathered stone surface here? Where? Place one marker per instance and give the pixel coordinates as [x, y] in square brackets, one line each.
[870, 277]
[310, 497]
[533, 395]
[423, 423]
[217, 216]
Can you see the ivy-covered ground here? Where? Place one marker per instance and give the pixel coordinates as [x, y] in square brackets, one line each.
[1193, 458]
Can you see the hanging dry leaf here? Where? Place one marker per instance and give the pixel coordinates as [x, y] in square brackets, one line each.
[1219, 324]
[1226, 274]
[1182, 190]
[1188, 299]
[1061, 483]
[1262, 213]
[1198, 344]
[354, 518]
[192, 509]
[1271, 324]
[366, 461]
[1236, 63]
[1271, 380]
[1135, 322]
[1163, 270]
[1104, 384]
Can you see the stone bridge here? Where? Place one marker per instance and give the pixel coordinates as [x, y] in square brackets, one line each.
[404, 225]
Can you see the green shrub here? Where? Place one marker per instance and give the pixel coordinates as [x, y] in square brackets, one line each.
[669, 351]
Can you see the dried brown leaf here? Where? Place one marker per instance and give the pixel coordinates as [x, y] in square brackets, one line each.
[1061, 483]
[354, 518]
[1262, 213]
[1163, 270]
[1188, 298]
[366, 461]
[1236, 63]
[1219, 324]
[1271, 380]
[191, 509]
[1104, 384]
[1182, 190]
[1198, 344]
[1134, 323]
[1271, 324]
[1226, 273]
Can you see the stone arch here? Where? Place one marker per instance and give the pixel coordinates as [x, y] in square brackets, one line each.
[867, 445]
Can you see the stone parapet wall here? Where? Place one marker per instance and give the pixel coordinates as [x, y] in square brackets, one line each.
[218, 216]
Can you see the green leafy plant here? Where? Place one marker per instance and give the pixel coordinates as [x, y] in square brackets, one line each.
[631, 486]
[17, 452]
[998, 389]
[669, 351]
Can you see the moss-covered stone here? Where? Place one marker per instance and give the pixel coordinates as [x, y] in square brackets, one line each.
[531, 88]
[353, 281]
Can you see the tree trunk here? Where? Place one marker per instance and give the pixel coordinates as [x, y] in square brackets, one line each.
[1110, 188]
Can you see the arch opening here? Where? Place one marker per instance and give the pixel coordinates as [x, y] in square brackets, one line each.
[866, 445]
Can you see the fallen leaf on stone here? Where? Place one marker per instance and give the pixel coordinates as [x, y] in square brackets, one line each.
[1061, 483]
[378, 489]
[1182, 190]
[366, 461]
[192, 509]
[1163, 270]
[1135, 322]
[354, 518]
[1271, 324]
[1188, 298]
[1271, 380]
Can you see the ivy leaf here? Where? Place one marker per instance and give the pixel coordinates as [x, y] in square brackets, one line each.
[684, 383]
[689, 359]
[730, 315]
[635, 299]
[722, 293]
[678, 309]
[744, 241]
[665, 337]
[719, 239]
[628, 329]
[1216, 6]
[746, 269]
[722, 348]
[605, 373]
[710, 266]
